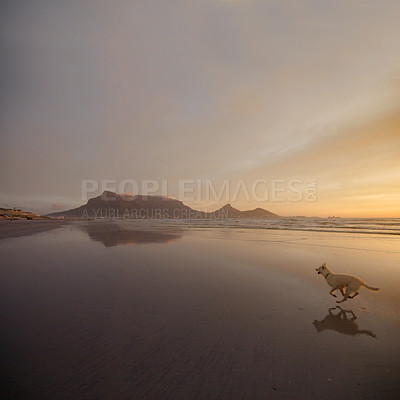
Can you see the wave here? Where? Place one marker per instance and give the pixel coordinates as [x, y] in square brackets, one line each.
[383, 226]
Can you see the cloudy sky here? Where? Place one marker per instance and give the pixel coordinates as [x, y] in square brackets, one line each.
[239, 90]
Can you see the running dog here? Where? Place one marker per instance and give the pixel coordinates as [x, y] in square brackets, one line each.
[342, 281]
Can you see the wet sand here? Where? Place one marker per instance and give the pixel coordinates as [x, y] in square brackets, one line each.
[23, 228]
[204, 314]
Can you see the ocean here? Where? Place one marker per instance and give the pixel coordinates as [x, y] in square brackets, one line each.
[376, 226]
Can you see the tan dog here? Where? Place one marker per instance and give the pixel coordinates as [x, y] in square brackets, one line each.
[342, 281]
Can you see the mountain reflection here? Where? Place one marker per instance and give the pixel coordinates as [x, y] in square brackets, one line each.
[113, 235]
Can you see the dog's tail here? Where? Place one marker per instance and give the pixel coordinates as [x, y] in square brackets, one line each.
[370, 287]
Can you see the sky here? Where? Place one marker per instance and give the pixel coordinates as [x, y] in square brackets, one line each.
[243, 91]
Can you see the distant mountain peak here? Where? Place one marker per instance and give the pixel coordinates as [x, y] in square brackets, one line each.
[107, 194]
[113, 205]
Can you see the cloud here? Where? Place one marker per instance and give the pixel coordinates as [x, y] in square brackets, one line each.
[356, 169]
[154, 90]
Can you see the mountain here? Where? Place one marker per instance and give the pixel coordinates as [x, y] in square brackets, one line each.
[228, 211]
[258, 213]
[112, 205]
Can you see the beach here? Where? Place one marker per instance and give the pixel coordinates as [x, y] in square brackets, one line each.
[10, 229]
[129, 310]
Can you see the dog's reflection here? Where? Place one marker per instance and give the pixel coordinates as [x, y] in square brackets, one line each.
[341, 323]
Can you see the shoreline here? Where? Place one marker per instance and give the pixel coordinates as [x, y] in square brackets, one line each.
[17, 228]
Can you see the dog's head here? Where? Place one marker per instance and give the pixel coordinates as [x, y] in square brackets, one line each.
[321, 269]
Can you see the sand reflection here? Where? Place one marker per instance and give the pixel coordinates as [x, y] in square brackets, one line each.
[114, 235]
[343, 321]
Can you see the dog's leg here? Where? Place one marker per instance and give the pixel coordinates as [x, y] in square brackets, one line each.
[354, 295]
[332, 313]
[341, 291]
[331, 292]
[346, 294]
[341, 301]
